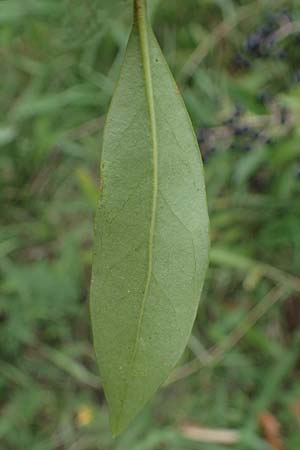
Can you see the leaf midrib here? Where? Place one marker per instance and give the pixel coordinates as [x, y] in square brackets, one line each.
[142, 27]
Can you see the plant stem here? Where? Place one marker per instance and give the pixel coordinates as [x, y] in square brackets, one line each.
[139, 10]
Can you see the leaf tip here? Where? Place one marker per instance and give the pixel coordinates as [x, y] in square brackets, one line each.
[118, 425]
[123, 416]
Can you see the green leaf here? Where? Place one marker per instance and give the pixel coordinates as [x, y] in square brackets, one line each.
[151, 237]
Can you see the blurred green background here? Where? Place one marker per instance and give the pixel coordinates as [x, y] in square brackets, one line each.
[237, 64]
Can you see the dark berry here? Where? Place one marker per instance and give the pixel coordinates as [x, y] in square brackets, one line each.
[247, 148]
[266, 30]
[272, 21]
[238, 111]
[254, 134]
[3, 317]
[240, 62]
[284, 115]
[269, 141]
[297, 76]
[264, 98]
[271, 42]
[212, 151]
[282, 54]
[229, 122]
[252, 44]
[190, 81]
[286, 14]
[201, 140]
[296, 39]
[201, 136]
[241, 131]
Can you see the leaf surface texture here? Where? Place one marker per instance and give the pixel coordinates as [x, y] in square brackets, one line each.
[151, 238]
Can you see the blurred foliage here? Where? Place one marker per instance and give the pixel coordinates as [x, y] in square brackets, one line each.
[237, 64]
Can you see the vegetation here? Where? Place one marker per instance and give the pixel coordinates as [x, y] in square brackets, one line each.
[237, 64]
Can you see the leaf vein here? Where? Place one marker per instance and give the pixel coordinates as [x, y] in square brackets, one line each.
[142, 25]
[173, 212]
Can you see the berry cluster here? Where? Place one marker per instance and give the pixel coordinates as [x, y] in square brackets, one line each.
[236, 132]
[275, 38]
[243, 130]
[263, 42]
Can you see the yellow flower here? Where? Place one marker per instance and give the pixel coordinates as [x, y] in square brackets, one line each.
[84, 416]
